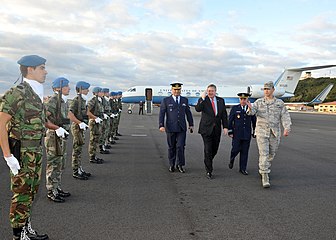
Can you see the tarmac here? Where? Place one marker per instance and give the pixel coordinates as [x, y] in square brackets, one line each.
[134, 196]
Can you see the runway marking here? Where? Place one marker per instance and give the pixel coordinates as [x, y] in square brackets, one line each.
[139, 135]
[139, 126]
[314, 129]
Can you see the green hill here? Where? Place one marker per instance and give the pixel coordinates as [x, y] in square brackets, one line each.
[308, 89]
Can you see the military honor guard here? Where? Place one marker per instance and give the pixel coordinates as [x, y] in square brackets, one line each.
[56, 138]
[213, 119]
[22, 127]
[95, 112]
[175, 109]
[114, 116]
[241, 128]
[79, 119]
[119, 96]
[271, 113]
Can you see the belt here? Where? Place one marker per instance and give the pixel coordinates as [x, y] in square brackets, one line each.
[31, 143]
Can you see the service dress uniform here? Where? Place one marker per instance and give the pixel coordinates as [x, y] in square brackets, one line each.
[106, 123]
[241, 127]
[175, 109]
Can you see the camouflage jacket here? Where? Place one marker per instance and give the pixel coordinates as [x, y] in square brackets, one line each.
[119, 103]
[270, 113]
[78, 107]
[61, 119]
[28, 114]
[96, 107]
[106, 105]
[114, 106]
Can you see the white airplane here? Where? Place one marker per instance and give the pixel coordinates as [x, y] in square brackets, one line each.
[285, 86]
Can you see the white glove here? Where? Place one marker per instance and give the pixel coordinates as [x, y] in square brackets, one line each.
[98, 120]
[116, 115]
[13, 164]
[119, 110]
[83, 126]
[105, 116]
[60, 132]
[112, 115]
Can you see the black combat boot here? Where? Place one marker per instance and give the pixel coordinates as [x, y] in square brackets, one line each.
[32, 234]
[79, 176]
[55, 197]
[103, 150]
[81, 170]
[96, 160]
[63, 193]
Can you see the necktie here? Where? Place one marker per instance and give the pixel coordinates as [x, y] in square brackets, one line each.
[213, 106]
[177, 100]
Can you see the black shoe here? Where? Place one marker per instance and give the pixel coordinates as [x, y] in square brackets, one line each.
[118, 134]
[209, 175]
[102, 151]
[96, 160]
[55, 197]
[171, 169]
[231, 164]
[180, 169]
[63, 193]
[85, 173]
[244, 172]
[79, 176]
[116, 138]
[32, 234]
[107, 146]
[113, 142]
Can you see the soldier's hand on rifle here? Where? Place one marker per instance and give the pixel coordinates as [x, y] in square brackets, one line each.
[13, 164]
[61, 132]
[106, 116]
[83, 126]
[98, 120]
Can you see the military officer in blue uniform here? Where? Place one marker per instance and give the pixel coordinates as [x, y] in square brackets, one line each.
[175, 108]
[241, 128]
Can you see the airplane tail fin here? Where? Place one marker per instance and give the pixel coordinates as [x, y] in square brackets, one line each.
[322, 95]
[289, 78]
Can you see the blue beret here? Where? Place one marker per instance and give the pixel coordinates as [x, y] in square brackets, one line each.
[96, 90]
[56, 83]
[83, 85]
[106, 90]
[31, 61]
[119, 93]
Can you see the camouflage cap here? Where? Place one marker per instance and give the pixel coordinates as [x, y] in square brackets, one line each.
[269, 85]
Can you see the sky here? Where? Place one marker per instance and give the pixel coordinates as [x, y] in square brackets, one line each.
[119, 44]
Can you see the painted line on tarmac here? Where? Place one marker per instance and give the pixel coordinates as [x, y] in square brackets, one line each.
[139, 135]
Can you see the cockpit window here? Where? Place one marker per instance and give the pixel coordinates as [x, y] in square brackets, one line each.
[131, 90]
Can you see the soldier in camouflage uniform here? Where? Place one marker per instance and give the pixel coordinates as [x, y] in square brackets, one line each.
[119, 96]
[78, 116]
[106, 123]
[114, 116]
[95, 112]
[55, 140]
[22, 119]
[270, 112]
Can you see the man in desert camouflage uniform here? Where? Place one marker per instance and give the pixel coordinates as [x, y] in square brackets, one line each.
[270, 113]
[95, 112]
[106, 122]
[55, 140]
[78, 116]
[22, 119]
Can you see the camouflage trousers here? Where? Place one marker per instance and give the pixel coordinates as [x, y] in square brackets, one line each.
[95, 132]
[105, 131]
[25, 185]
[114, 124]
[118, 121]
[56, 159]
[78, 140]
[267, 148]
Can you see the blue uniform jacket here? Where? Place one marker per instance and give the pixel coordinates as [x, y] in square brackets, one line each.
[175, 114]
[241, 124]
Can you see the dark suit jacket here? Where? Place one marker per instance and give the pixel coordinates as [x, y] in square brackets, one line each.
[208, 119]
[241, 124]
[175, 114]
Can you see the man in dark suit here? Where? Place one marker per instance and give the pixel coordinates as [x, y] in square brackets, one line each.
[213, 118]
[175, 108]
[241, 128]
